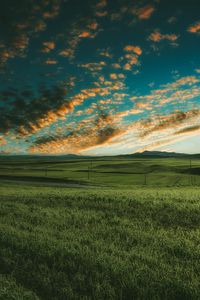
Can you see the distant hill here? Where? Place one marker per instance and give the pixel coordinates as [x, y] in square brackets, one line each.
[145, 154]
[160, 154]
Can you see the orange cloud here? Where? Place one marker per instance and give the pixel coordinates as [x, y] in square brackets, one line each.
[171, 121]
[132, 59]
[85, 34]
[135, 111]
[51, 62]
[145, 12]
[89, 134]
[101, 14]
[157, 36]
[100, 8]
[116, 66]
[113, 76]
[48, 46]
[52, 13]
[194, 28]
[182, 90]
[66, 52]
[94, 67]
[93, 26]
[2, 141]
[21, 42]
[135, 49]
[127, 67]
[142, 105]
[50, 117]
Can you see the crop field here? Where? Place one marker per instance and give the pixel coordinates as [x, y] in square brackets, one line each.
[124, 229]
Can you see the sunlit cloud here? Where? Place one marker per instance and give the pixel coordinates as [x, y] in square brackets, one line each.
[84, 79]
[189, 129]
[25, 24]
[48, 46]
[66, 53]
[195, 28]
[2, 141]
[86, 136]
[100, 10]
[157, 37]
[145, 12]
[51, 62]
[135, 49]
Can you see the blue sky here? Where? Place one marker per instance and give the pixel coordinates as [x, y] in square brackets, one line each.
[99, 77]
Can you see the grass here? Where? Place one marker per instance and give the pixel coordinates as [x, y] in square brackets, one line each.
[119, 172]
[103, 243]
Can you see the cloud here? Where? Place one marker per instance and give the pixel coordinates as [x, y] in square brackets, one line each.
[127, 67]
[53, 11]
[135, 49]
[85, 34]
[3, 142]
[189, 129]
[22, 23]
[152, 133]
[88, 135]
[131, 57]
[93, 25]
[145, 12]
[157, 144]
[116, 66]
[29, 114]
[48, 46]
[116, 76]
[135, 111]
[157, 37]
[101, 13]
[130, 61]
[195, 28]
[142, 105]
[66, 53]
[100, 9]
[105, 53]
[51, 62]
[84, 28]
[171, 121]
[94, 67]
[101, 4]
[187, 80]
[113, 76]
[177, 92]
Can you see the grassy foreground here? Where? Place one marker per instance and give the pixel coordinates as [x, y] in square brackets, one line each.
[100, 243]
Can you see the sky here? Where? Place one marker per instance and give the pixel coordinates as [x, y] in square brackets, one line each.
[99, 77]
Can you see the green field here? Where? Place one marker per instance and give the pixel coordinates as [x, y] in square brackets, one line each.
[127, 229]
[108, 172]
